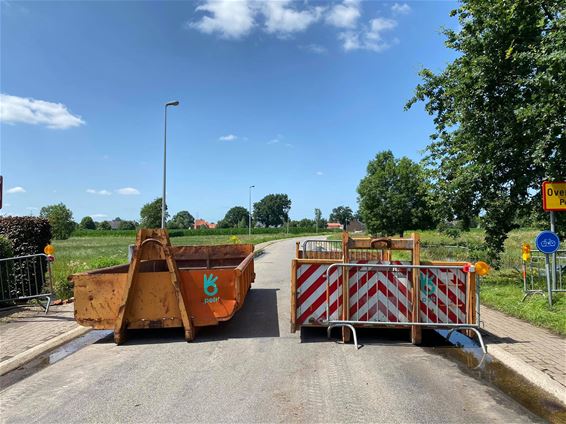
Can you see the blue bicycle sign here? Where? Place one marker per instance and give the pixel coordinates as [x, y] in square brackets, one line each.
[547, 242]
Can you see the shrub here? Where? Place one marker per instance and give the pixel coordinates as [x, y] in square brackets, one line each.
[87, 223]
[6, 251]
[6, 248]
[28, 236]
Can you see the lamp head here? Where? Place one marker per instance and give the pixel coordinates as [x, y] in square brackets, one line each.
[175, 103]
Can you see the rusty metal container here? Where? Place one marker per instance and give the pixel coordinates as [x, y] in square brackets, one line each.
[165, 286]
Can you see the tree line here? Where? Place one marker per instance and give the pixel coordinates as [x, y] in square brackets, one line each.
[271, 211]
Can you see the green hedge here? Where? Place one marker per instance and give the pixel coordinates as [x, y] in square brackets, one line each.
[28, 236]
[198, 232]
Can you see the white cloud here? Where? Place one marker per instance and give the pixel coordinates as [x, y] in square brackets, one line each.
[229, 137]
[274, 141]
[32, 208]
[235, 19]
[228, 18]
[98, 215]
[344, 15]
[101, 192]
[289, 145]
[401, 9]
[284, 20]
[7, 205]
[315, 48]
[319, 173]
[15, 109]
[128, 191]
[15, 190]
[369, 38]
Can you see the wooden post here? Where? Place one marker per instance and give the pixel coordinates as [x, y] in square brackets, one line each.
[294, 295]
[416, 331]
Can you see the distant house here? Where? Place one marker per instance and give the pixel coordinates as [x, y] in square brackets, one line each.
[115, 224]
[355, 226]
[199, 223]
[334, 226]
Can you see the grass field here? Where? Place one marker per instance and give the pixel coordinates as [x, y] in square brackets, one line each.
[502, 289]
[78, 254]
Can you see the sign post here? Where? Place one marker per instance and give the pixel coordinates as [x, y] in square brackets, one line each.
[554, 200]
[548, 243]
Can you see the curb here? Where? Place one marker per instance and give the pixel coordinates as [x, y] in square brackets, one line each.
[535, 376]
[30, 354]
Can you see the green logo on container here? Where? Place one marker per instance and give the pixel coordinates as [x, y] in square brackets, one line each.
[210, 288]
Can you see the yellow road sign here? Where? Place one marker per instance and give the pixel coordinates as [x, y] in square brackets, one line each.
[554, 196]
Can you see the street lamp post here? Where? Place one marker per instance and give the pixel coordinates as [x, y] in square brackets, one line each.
[250, 213]
[163, 204]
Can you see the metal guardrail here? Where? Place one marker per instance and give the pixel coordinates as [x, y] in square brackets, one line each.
[322, 249]
[385, 298]
[534, 274]
[26, 277]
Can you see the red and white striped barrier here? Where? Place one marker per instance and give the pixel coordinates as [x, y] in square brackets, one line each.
[443, 296]
[379, 295]
[311, 293]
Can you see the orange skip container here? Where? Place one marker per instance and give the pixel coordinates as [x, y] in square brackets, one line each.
[165, 286]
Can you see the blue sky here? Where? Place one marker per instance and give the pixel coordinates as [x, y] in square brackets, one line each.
[292, 97]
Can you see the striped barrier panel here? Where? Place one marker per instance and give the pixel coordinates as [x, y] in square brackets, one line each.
[379, 295]
[385, 295]
[312, 292]
[443, 296]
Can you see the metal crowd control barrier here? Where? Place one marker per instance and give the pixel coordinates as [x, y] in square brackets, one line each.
[381, 295]
[26, 277]
[321, 249]
[362, 286]
[534, 274]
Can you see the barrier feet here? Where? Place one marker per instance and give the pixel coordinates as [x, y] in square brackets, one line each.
[351, 327]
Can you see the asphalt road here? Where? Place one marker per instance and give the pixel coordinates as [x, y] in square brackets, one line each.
[252, 369]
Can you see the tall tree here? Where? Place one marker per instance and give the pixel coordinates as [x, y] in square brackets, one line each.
[151, 214]
[238, 216]
[317, 218]
[181, 220]
[61, 220]
[103, 225]
[499, 111]
[272, 210]
[392, 196]
[341, 214]
[87, 223]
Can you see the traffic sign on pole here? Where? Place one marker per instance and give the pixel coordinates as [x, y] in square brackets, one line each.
[547, 242]
[554, 196]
